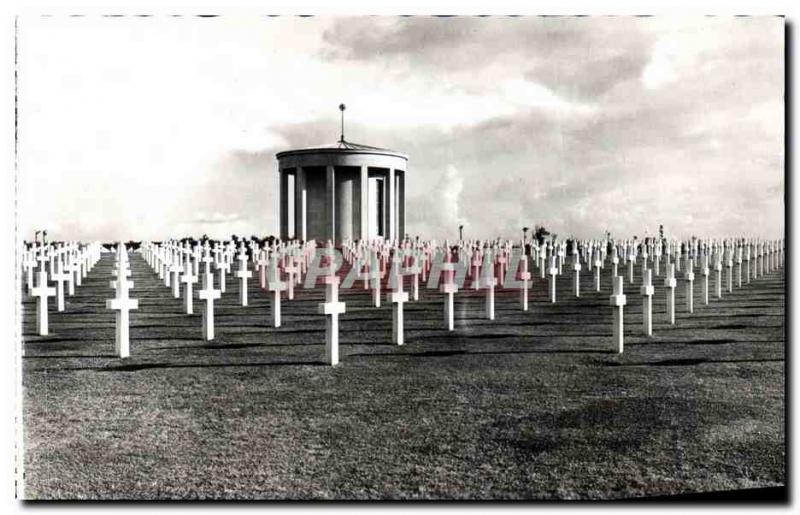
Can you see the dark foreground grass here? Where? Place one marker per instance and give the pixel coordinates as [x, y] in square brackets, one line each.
[530, 406]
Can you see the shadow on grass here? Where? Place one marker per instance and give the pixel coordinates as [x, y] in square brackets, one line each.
[67, 356]
[153, 366]
[225, 346]
[448, 353]
[688, 362]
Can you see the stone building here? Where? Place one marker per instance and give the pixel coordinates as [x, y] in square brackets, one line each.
[342, 191]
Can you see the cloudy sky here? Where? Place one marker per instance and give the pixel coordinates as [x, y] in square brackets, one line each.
[141, 128]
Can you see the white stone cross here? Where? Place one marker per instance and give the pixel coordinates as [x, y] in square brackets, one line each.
[525, 277]
[631, 263]
[332, 308]
[188, 278]
[243, 274]
[449, 288]
[618, 300]
[208, 294]
[398, 298]
[553, 271]
[262, 263]
[42, 291]
[576, 276]
[704, 271]
[292, 274]
[647, 292]
[175, 270]
[689, 277]
[60, 277]
[122, 304]
[598, 265]
[738, 265]
[614, 261]
[223, 267]
[375, 275]
[488, 282]
[669, 285]
[275, 286]
[729, 267]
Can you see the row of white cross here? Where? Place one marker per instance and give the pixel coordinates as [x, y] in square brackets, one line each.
[66, 264]
[488, 265]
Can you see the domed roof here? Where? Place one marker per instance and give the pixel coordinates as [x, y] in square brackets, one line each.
[342, 146]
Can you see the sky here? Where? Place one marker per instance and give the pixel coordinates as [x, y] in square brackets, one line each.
[154, 127]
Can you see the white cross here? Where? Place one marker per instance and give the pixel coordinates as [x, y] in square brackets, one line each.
[553, 271]
[488, 282]
[449, 288]
[208, 294]
[689, 277]
[669, 285]
[576, 275]
[42, 291]
[60, 277]
[647, 292]
[332, 308]
[122, 304]
[188, 279]
[618, 301]
[276, 286]
[525, 276]
[175, 269]
[243, 274]
[398, 297]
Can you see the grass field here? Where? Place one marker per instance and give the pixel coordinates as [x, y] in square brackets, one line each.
[529, 406]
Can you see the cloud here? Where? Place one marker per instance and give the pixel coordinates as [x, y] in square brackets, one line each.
[141, 129]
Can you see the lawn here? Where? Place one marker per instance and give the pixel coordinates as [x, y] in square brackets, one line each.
[528, 406]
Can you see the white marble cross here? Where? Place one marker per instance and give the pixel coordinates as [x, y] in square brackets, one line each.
[332, 308]
[122, 303]
[449, 288]
[739, 265]
[704, 271]
[618, 300]
[60, 277]
[275, 286]
[243, 274]
[647, 292]
[208, 294]
[175, 269]
[188, 278]
[488, 282]
[42, 291]
[669, 285]
[553, 271]
[525, 277]
[375, 275]
[729, 267]
[398, 298]
[576, 276]
[689, 277]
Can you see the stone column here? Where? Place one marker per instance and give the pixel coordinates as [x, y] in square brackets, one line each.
[330, 203]
[391, 207]
[364, 203]
[401, 205]
[300, 203]
[284, 205]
